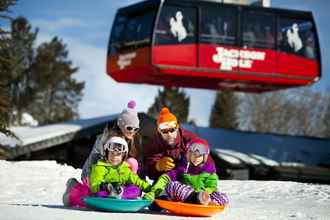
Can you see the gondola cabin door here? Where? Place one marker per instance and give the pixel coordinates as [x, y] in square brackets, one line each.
[175, 43]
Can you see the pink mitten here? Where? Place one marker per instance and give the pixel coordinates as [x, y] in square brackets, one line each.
[133, 164]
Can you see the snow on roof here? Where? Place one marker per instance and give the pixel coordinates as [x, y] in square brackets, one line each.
[270, 149]
[29, 135]
[9, 141]
[235, 157]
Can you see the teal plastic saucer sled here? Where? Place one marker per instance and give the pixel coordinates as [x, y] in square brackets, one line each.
[116, 205]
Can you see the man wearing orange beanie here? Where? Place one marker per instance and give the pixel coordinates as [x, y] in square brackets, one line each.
[167, 146]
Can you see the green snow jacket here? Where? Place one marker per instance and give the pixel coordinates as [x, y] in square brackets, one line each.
[201, 182]
[103, 172]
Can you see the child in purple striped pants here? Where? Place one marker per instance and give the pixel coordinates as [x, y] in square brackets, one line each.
[194, 180]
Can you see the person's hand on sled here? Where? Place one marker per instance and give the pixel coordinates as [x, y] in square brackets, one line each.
[114, 189]
[149, 196]
[106, 187]
[117, 188]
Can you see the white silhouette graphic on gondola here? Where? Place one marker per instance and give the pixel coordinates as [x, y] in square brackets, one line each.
[177, 28]
[294, 39]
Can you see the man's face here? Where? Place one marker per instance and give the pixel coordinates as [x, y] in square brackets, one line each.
[169, 134]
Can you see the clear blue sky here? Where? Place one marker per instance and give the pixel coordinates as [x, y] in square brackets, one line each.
[85, 25]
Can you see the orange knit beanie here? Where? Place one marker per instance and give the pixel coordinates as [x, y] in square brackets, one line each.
[166, 119]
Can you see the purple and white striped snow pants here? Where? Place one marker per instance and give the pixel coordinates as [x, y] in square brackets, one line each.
[179, 192]
[219, 198]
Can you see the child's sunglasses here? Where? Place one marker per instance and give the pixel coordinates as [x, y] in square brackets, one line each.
[114, 147]
[116, 153]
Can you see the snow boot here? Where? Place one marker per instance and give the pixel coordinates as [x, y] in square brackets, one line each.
[202, 198]
[66, 196]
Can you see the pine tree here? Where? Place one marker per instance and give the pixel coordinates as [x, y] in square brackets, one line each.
[4, 45]
[5, 4]
[39, 82]
[173, 98]
[19, 55]
[4, 105]
[57, 93]
[223, 114]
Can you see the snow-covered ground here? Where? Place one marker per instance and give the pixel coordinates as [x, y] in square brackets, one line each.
[33, 190]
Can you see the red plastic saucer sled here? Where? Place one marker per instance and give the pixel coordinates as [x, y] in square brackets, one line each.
[188, 209]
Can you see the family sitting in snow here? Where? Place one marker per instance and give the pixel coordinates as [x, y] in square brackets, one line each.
[176, 159]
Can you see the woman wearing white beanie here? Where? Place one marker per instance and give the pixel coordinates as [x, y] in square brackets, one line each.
[127, 127]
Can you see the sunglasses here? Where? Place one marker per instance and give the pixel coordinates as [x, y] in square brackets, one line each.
[169, 130]
[114, 147]
[116, 153]
[130, 128]
[196, 153]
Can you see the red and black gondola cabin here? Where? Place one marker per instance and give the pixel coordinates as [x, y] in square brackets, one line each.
[207, 44]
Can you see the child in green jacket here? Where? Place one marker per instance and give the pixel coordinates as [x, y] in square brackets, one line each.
[111, 175]
[194, 180]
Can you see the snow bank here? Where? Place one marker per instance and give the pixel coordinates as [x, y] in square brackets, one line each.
[33, 190]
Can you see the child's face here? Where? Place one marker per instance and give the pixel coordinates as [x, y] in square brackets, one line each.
[115, 157]
[196, 158]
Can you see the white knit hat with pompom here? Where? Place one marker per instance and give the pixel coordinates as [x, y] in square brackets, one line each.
[129, 116]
